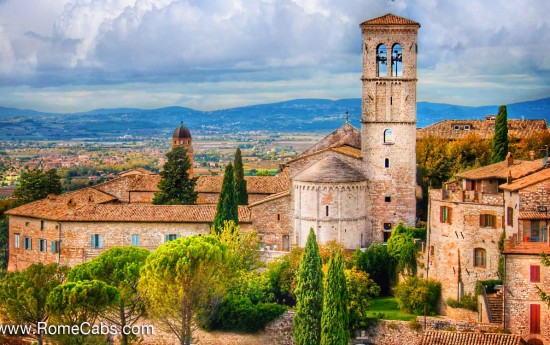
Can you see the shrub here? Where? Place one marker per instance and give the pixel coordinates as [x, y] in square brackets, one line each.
[360, 290]
[415, 325]
[468, 301]
[239, 314]
[415, 294]
[380, 266]
[402, 248]
[489, 285]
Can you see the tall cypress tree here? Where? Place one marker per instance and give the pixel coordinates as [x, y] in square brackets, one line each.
[175, 186]
[309, 295]
[227, 204]
[335, 320]
[500, 138]
[240, 182]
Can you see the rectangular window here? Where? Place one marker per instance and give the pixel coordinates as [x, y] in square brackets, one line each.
[96, 241]
[55, 247]
[387, 198]
[445, 214]
[15, 240]
[170, 237]
[27, 243]
[510, 216]
[41, 225]
[534, 320]
[42, 245]
[326, 210]
[487, 221]
[387, 226]
[135, 240]
[535, 274]
[278, 216]
[480, 257]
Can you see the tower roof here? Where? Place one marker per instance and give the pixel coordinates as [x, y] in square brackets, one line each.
[181, 132]
[390, 19]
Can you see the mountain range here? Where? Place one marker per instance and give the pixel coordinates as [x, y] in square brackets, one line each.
[300, 115]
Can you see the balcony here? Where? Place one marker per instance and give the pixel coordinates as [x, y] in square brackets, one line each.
[515, 246]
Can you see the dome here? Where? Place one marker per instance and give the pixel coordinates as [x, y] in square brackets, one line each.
[181, 132]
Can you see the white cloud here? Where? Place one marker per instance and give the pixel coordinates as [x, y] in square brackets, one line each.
[95, 44]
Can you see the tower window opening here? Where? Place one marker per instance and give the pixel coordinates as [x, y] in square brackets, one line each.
[386, 163]
[381, 61]
[326, 210]
[388, 137]
[397, 60]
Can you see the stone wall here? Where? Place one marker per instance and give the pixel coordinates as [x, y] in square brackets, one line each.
[452, 244]
[535, 195]
[272, 220]
[520, 293]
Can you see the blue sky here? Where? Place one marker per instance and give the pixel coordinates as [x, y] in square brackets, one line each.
[78, 55]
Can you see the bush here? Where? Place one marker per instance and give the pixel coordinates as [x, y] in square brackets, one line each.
[415, 294]
[360, 290]
[380, 266]
[239, 314]
[489, 285]
[414, 325]
[402, 248]
[468, 301]
[281, 274]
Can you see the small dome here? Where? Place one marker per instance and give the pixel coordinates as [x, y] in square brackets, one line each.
[181, 132]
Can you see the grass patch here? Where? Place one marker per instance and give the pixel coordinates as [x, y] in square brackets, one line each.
[388, 306]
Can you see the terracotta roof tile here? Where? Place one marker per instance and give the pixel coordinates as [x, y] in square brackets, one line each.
[254, 184]
[534, 215]
[390, 19]
[348, 151]
[144, 183]
[137, 171]
[345, 135]
[270, 198]
[82, 209]
[500, 170]
[527, 181]
[469, 338]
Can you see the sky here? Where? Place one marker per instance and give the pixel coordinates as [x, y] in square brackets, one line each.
[79, 55]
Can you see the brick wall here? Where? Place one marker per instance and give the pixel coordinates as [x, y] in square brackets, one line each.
[272, 220]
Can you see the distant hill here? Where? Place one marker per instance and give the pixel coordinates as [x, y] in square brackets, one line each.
[300, 115]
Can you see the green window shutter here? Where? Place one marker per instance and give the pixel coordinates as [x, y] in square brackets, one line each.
[93, 241]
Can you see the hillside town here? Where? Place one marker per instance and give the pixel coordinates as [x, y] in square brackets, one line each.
[358, 237]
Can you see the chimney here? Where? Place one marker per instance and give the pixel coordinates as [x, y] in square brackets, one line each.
[532, 155]
[509, 159]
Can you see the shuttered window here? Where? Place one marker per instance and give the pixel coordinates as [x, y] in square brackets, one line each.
[510, 216]
[534, 320]
[135, 240]
[487, 221]
[445, 214]
[480, 257]
[535, 274]
[96, 241]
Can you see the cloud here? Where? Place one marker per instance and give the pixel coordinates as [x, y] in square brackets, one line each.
[153, 43]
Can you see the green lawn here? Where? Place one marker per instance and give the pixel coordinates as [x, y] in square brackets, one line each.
[388, 306]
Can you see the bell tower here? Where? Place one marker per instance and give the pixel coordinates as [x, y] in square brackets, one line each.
[388, 121]
[182, 137]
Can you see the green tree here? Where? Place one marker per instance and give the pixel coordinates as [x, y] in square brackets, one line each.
[227, 208]
[335, 320]
[361, 289]
[309, 295]
[402, 248]
[75, 303]
[181, 280]
[241, 254]
[240, 182]
[35, 185]
[23, 295]
[416, 295]
[380, 266]
[4, 242]
[500, 138]
[118, 267]
[175, 186]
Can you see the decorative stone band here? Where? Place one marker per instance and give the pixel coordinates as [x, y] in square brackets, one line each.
[388, 79]
[330, 219]
[392, 122]
[340, 187]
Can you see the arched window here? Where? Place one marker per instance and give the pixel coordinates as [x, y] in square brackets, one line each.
[388, 137]
[397, 60]
[381, 61]
[480, 257]
[386, 163]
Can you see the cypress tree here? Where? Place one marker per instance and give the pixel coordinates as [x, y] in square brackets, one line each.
[500, 138]
[175, 186]
[240, 182]
[227, 204]
[309, 295]
[335, 321]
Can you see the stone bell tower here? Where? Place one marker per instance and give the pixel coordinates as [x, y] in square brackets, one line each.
[388, 121]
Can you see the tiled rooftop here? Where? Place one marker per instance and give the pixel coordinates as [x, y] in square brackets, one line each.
[329, 169]
[500, 170]
[527, 181]
[470, 338]
[390, 19]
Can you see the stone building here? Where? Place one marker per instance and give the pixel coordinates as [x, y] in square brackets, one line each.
[526, 201]
[485, 129]
[353, 186]
[466, 222]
